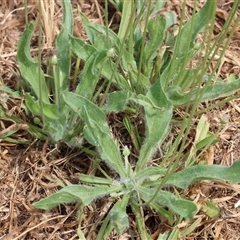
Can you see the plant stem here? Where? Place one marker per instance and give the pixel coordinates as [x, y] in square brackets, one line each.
[56, 86]
[40, 59]
[26, 11]
[76, 71]
[138, 87]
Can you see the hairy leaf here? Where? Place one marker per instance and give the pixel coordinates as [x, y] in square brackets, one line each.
[193, 26]
[184, 208]
[75, 193]
[28, 67]
[95, 119]
[187, 176]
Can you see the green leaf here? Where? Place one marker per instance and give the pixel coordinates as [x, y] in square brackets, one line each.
[55, 199]
[173, 73]
[75, 193]
[189, 32]
[117, 101]
[207, 141]
[186, 78]
[80, 48]
[119, 217]
[202, 129]
[55, 125]
[158, 112]
[211, 209]
[63, 48]
[211, 92]
[220, 90]
[96, 31]
[102, 41]
[96, 121]
[63, 64]
[157, 123]
[156, 28]
[9, 91]
[184, 208]
[159, 5]
[91, 34]
[171, 19]
[127, 11]
[203, 139]
[185, 49]
[49, 110]
[106, 146]
[94, 180]
[28, 67]
[116, 218]
[151, 173]
[55, 129]
[84, 51]
[86, 88]
[187, 176]
[68, 16]
[172, 235]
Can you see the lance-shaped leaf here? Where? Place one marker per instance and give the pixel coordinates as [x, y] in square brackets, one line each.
[210, 92]
[187, 176]
[158, 116]
[184, 208]
[75, 193]
[63, 47]
[29, 68]
[117, 101]
[116, 218]
[81, 49]
[156, 28]
[96, 122]
[189, 32]
[86, 88]
[150, 173]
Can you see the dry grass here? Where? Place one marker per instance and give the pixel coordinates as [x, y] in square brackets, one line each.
[32, 171]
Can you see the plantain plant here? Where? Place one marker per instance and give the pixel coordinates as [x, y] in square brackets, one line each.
[150, 71]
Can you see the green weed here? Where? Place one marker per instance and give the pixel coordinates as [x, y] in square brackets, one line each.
[53, 118]
[149, 70]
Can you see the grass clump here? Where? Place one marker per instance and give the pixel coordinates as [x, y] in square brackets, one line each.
[149, 70]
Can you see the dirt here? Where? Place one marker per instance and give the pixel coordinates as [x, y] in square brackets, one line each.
[33, 169]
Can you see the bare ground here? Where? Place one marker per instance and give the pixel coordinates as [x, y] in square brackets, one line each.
[31, 171]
